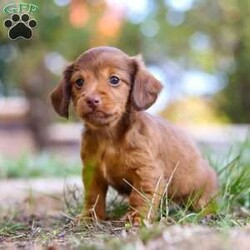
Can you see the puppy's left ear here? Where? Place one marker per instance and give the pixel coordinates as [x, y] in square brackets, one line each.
[60, 96]
[145, 87]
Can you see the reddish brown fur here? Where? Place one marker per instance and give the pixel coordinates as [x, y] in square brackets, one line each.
[123, 144]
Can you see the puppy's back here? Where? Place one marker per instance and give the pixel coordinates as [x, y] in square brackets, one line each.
[177, 152]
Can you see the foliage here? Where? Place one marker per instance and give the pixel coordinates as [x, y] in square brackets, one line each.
[212, 37]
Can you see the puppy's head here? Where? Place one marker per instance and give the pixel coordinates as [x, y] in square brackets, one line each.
[104, 83]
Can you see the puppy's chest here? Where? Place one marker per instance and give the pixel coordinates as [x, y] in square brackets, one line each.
[115, 169]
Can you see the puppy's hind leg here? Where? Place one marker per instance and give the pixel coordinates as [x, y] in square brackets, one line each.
[206, 200]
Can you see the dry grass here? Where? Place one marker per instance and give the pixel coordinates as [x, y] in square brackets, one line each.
[177, 226]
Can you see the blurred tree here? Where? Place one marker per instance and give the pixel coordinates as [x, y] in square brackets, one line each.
[213, 36]
[62, 30]
[236, 96]
[226, 23]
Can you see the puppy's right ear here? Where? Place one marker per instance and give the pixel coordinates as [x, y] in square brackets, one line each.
[60, 96]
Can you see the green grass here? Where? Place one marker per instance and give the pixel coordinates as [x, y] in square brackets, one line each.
[234, 180]
[232, 208]
[41, 165]
[10, 227]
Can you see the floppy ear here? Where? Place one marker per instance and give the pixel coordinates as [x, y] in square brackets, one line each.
[60, 96]
[145, 87]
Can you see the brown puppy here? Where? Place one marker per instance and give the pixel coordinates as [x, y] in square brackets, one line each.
[140, 155]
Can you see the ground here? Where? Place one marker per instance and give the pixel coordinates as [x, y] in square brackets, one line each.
[39, 214]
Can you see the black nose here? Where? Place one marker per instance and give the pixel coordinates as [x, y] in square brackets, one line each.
[93, 101]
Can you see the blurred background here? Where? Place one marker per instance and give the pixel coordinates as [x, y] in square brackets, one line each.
[199, 49]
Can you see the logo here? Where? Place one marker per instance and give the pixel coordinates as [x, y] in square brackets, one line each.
[20, 24]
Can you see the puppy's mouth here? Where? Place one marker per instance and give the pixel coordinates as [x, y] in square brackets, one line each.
[97, 117]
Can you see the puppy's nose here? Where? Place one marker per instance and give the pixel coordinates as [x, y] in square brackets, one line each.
[93, 101]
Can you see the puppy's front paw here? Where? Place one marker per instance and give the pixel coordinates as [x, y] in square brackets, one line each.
[133, 218]
[80, 218]
[86, 216]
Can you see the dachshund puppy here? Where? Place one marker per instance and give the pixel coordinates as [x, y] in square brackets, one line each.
[140, 155]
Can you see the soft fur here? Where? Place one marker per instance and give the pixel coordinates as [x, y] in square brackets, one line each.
[140, 155]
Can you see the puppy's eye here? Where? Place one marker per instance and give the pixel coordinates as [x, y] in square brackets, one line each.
[114, 81]
[79, 83]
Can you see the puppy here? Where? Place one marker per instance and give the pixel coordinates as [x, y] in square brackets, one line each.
[140, 155]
